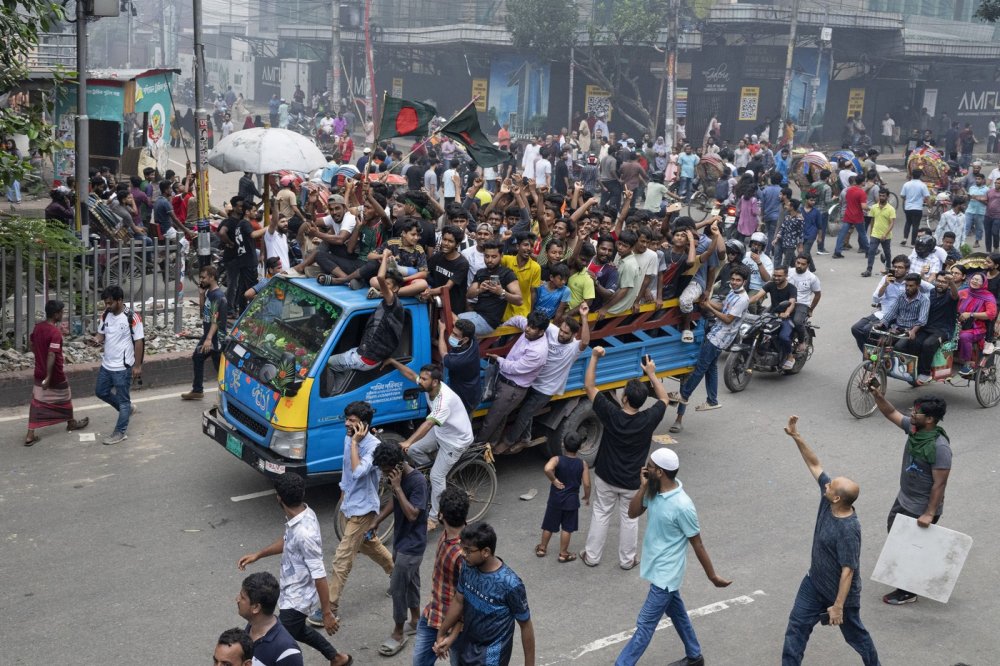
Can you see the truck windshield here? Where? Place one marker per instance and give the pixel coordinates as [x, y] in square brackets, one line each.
[287, 325]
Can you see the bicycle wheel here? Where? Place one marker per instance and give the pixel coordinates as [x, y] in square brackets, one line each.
[478, 479]
[894, 200]
[987, 386]
[699, 207]
[384, 532]
[860, 402]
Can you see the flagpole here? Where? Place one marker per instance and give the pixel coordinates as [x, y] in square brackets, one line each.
[433, 134]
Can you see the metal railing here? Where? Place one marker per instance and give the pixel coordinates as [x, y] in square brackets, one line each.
[54, 50]
[152, 277]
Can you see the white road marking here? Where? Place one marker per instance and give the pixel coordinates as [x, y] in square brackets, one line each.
[623, 636]
[96, 405]
[263, 493]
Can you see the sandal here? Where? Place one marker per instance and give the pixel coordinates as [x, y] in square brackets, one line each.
[676, 427]
[540, 551]
[391, 647]
[583, 558]
[687, 336]
[675, 396]
[707, 407]
[78, 425]
[566, 557]
[373, 293]
[32, 441]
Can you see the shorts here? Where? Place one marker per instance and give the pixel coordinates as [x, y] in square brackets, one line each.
[566, 519]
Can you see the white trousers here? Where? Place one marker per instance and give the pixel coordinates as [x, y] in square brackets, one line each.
[607, 499]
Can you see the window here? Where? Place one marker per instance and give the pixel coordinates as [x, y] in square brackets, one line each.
[337, 383]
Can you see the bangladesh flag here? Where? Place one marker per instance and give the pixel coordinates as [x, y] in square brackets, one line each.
[401, 117]
[465, 129]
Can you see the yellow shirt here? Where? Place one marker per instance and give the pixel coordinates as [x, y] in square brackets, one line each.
[528, 277]
[882, 218]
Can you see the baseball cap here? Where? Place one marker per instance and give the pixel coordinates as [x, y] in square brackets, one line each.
[665, 459]
[336, 198]
[367, 150]
[287, 180]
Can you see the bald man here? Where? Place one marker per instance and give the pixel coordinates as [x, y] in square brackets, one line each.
[831, 592]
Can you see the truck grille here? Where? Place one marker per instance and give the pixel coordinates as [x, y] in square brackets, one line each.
[253, 424]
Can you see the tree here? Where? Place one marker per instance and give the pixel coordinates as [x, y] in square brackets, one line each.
[988, 11]
[613, 48]
[21, 24]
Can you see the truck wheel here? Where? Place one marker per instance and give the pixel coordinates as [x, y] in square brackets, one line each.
[384, 495]
[583, 419]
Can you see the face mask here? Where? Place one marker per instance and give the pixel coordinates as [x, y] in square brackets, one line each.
[453, 341]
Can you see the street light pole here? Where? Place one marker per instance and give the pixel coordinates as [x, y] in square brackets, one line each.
[786, 88]
[335, 55]
[82, 139]
[201, 139]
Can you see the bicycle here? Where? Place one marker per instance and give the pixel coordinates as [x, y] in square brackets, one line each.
[474, 473]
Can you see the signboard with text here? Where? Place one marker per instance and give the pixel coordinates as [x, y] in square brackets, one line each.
[480, 88]
[856, 102]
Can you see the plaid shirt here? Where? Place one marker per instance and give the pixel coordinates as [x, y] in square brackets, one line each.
[906, 313]
[447, 568]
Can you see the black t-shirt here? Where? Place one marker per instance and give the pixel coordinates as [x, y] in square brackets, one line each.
[239, 232]
[414, 177]
[428, 232]
[942, 313]
[464, 376]
[836, 544]
[777, 295]
[443, 269]
[491, 306]
[560, 172]
[383, 331]
[411, 537]
[625, 442]
[276, 647]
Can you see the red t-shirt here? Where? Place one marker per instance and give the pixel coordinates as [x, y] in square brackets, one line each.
[44, 339]
[854, 199]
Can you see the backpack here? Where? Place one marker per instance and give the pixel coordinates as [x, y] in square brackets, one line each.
[130, 316]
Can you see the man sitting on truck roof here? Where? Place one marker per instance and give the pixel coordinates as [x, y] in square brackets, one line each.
[382, 332]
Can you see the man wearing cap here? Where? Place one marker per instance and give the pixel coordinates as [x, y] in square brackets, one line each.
[831, 591]
[286, 204]
[672, 525]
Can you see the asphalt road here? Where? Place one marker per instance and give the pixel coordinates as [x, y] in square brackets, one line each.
[118, 554]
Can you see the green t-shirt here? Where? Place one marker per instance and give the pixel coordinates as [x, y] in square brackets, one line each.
[581, 288]
[629, 278]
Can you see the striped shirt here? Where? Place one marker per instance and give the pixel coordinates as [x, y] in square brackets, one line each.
[907, 313]
[721, 334]
[447, 569]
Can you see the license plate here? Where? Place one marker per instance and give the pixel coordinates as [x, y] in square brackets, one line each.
[234, 446]
[715, 211]
[273, 467]
[729, 219]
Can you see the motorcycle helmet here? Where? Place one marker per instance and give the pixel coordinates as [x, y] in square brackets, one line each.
[924, 246]
[738, 248]
[758, 237]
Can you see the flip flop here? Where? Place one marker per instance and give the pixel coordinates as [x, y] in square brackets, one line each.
[676, 427]
[540, 551]
[583, 558]
[32, 441]
[687, 336]
[410, 630]
[373, 293]
[675, 396]
[707, 407]
[391, 647]
[568, 557]
[78, 425]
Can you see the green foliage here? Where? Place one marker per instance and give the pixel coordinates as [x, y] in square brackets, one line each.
[548, 27]
[47, 235]
[21, 23]
[988, 11]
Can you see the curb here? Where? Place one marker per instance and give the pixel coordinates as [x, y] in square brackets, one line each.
[157, 370]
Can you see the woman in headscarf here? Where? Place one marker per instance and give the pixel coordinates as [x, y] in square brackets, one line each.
[248, 123]
[977, 307]
[660, 154]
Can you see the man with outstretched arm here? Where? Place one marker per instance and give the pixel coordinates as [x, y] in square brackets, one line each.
[831, 591]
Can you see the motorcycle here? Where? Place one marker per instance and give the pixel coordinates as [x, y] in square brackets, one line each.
[728, 219]
[756, 348]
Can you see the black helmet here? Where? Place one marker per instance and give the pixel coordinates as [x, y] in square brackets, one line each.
[924, 246]
[737, 247]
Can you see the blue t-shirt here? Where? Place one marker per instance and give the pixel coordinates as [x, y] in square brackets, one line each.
[770, 202]
[914, 192]
[836, 544]
[671, 522]
[493, 601]
[702, 273]
[548, 301]
[276, 648]
[410, 537]
[687, 164]
[977, 207]
[812, 220]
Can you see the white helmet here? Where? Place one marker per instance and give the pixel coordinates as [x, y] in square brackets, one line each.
[758, 237]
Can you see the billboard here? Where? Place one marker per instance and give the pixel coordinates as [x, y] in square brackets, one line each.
[518, 91]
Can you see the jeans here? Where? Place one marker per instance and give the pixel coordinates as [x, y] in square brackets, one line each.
[349, 360]
[974, 222]
[482, 326]
[785, 256]
[606, 498]
[785, 338]
[113, 388]
[705, 367]
[14, 192]
[404, 585]
[198, 360]
[824, 224]
[807, 246]
[804, 616]
[685, 188]
[508, 397]
[913, 218]
[421, 453]
[659, 602]
[423, 646]
[992, 225]
[611, 194]
[873, 248]
[770, 228]
[295, 623]
[991, 143]
[862, 236]
[520, 429]
[352, 543]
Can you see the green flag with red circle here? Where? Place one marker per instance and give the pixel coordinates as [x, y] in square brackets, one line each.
[403, 117]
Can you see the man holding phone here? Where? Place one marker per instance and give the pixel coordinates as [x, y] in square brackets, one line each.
[830, 593]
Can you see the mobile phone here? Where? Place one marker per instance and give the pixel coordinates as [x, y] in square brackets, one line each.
[495, 279]
[824, 618]
[874, 384]
[645, 359]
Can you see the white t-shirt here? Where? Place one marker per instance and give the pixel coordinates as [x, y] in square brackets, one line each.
[887, 126]
[346, 224]
[227, 128]
[451, 421]
[914, 192]
[993, 176]
[449, 183]
[476, 262]
[552, 379]
[119, 347]
[844, 175]
[276, 245]
[543, 172]
[806, 284]
[649, 262]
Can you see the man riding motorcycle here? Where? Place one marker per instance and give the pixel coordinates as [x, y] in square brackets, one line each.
[782, 303]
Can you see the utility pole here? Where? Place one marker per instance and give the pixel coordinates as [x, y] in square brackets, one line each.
[201, 138]
[82, 140]
[130, 8]
[786, 88]
[335, 55]
[673, 37]
[572, 66]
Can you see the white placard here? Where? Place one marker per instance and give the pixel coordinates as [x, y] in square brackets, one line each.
[925, 561]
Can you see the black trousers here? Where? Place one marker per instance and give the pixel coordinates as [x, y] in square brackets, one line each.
[295, 623]
[862, 328]
[923, 346]
[913, 218]
[329, 257]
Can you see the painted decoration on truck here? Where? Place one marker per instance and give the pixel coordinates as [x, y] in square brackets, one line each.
[250, 391]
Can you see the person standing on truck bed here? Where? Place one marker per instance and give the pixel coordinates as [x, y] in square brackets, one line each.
[564, 349]
[628, 432]
[447, 430]
[518, 371]
[360, 505]
[494, 287]
[382, 332]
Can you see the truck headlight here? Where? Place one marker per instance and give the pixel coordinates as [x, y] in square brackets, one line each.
[289, 444]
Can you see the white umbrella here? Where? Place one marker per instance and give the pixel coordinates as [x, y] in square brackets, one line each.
[266, 150]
